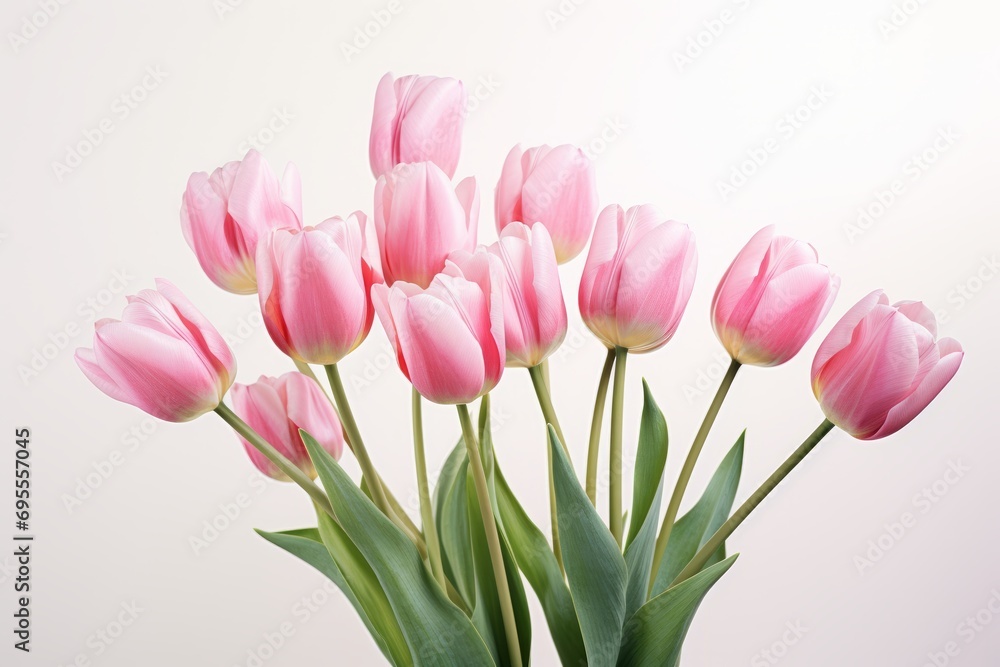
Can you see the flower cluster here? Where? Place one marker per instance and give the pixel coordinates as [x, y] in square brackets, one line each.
[457, 314]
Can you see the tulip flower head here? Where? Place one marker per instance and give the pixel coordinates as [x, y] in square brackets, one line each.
[420, 219]
[449, 337]
[163, 356]
[638, 278]
[881, 365]
[276, 408]
[224, 215]
[771, 299]
[534, 310]
[417, 119]
[554, 186]
[315, 287]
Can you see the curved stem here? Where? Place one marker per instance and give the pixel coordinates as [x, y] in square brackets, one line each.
[752, 502]
[360, 452]
[538, 379]
[593, 451]
[277, 458]
[492, 536]
[685, 476]
[423, 489]
[615, 518]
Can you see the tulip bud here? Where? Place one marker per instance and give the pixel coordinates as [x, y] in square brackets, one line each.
[534, 310]
[449, 337]
[417, 119]
[420, 219]
[554, 186]
[277, 408]
[638, 278]
[881, 365]
[163, 357]
[224, 215]
[314, 288]
[771, 299]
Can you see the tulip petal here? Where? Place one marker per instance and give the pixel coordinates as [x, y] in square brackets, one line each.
[903, 413]
[843, 331]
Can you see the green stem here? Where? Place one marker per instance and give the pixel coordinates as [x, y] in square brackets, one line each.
[723, 533]
[492, 536]
[685, 476]
[554, 511]
[277, 458]
[537, 374]
[423, 489]
[406, 522]
[354, 435]
[615, 518]
[593, 451]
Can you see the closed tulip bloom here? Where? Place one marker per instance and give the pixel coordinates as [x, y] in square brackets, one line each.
[534, 311]
[881, 365]
[163, 357]
[638, 278]
[276, 408]
[771, 299]
[417, 119]
[420, 219]
[314, 288]
[554, 186]
[449, 337]
[224, 215]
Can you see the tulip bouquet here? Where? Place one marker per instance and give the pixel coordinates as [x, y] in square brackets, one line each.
[451, 589]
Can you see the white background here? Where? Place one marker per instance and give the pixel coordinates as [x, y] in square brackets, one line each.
[681, 129]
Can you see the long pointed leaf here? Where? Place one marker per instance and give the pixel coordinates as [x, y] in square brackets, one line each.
[535, 559]
[696, 527]
[594, 565]
[655, 634]
[438, 633]
[307, 545]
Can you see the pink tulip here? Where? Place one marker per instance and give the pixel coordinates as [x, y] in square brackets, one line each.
[224, 215]
[449, 337]
[314, 288]
[771, 299]
[534, 311]
[420, 219]
[417, 119]
[881, 365]
[277, 408]
[163, 357]
[553, 186]
[638, 278]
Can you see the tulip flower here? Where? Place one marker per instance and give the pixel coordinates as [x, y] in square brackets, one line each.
[276, 408]
[553, 186]
[449, 337]
[771, 299]
[881, 365]
[534, 311]
[314, 288]
[163, 357]
[225, 214]
[638, 278]
[417, 119]
[420, 219]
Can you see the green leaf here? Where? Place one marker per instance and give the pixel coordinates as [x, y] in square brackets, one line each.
[307, 545]
[655, 634]
[437, 632]
[651, 456]
[535, 559]
[488, 611]
[696, 527]
[595, 569]
[454, 529]
[488, 616]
